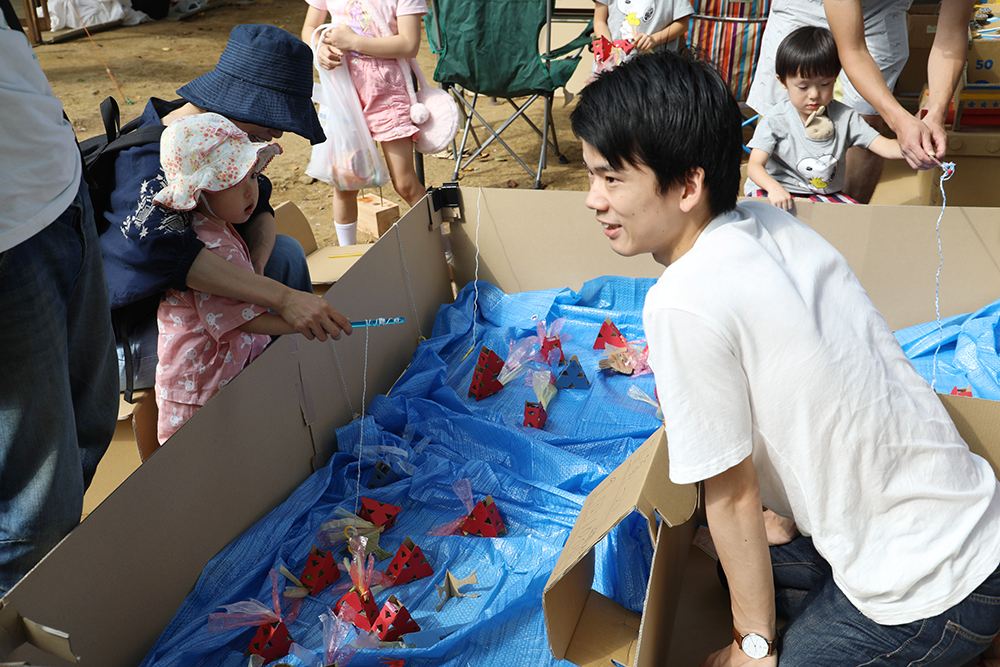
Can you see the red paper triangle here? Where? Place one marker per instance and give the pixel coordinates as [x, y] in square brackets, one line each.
[484, 520]
[409, 564]
[609, 335]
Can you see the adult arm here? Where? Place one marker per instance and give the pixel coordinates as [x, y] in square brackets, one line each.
[404, 44]
[733, 507]
[269, 324]
[945, 64]
[920, 142]
[601, 28]
[258, 232]
[307, 314]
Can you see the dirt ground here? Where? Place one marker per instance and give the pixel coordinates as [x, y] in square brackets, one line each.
[154, 59]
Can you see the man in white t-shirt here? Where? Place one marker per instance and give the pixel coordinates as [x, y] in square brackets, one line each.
[783, 387]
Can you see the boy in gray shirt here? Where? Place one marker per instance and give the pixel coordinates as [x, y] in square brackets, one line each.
[799, 146]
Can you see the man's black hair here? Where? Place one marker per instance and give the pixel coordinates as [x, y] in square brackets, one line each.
[807, 52]
[671, 114]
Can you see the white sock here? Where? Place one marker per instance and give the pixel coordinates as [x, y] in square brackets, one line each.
[347, 234]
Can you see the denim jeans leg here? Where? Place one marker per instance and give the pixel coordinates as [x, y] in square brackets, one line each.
[287, 264]
[831, 632]
[58, 403]
[799, 570]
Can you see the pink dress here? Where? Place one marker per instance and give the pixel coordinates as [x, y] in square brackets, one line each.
[379, 81]
[200, 346]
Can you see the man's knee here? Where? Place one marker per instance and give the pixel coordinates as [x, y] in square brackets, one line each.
[287, 264]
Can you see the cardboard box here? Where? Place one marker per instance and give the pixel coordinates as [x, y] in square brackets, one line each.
[116, 581]
[975, 155]
[983, 63]
[327, 264]
[921, 28]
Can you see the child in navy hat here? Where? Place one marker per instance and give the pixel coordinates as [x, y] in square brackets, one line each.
[263, 84]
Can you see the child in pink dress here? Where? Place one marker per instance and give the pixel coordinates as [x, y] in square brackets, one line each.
[205, 340]
[371, 61]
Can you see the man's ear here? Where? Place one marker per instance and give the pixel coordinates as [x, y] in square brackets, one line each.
[693, 190]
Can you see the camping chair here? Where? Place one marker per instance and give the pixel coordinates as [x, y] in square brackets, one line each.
[491, 48]
[728, 33]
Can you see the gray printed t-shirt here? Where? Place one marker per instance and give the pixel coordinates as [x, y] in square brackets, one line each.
[653, 16]
[802, 165]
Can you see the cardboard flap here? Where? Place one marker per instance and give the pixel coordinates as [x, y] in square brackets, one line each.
[978, 422]
[642, 482]
[16, 630]
[291, 221]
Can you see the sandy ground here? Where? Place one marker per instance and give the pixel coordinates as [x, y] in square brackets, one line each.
[154, 59]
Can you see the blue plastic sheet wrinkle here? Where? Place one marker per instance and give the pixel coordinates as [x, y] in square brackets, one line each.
[539, 480]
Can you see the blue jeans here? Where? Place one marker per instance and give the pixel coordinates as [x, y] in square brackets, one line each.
[58, 396]
[287, 265]
[827, 630]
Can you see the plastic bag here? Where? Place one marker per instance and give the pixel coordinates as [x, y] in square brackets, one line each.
[348, 159]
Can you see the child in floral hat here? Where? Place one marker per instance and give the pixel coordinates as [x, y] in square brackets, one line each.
[205, 340]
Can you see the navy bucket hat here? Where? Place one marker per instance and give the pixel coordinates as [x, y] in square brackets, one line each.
[263, 77]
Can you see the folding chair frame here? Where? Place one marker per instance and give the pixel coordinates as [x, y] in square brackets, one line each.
[520, 111]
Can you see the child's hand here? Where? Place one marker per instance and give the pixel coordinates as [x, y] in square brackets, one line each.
[779, 197]
[329, 56]
[644, 42]
[341, 37]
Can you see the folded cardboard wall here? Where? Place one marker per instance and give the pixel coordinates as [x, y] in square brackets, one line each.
[115, 582]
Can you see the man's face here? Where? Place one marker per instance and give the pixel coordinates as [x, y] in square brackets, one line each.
[635, 216]
[258, 133]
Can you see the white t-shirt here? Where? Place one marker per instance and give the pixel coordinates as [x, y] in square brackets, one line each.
[40, 167]
[763, 342]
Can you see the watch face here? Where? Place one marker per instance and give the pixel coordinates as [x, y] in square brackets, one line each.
[754, 646]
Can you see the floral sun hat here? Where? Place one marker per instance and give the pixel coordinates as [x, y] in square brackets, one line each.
[206, 153]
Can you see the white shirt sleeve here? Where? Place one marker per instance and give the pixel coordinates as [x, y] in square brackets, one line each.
[703, 390]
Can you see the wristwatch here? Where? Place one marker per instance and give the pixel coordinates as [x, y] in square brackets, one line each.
[754, 645]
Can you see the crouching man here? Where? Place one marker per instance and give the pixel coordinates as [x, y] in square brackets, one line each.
[783, 387]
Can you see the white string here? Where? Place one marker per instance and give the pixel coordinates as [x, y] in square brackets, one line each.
[475, 284]
[361, 440]
[342, 381]
[409, 288]
[947, 171]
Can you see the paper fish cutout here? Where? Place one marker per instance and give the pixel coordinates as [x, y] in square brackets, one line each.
[409, 564]
[614, 53]
[484, 378]
[359, 608]
[394, 621]
[534, 415]
[382, 515]
[484, 520]
[573, 376]
[449, 589]
[271, 641]
[553, 343]
[609, 335]
[382, 475]
[320, 570]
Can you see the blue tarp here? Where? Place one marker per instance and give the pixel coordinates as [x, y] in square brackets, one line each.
[965, 347]
[538, 479]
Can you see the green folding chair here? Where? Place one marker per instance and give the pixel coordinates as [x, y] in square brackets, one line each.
[491, 48]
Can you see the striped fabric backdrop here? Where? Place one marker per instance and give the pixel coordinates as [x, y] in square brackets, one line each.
[733, 47]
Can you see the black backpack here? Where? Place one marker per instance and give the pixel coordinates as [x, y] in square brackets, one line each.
[100, 152]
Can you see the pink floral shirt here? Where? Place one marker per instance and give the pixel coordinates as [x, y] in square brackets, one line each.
[200, 346]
